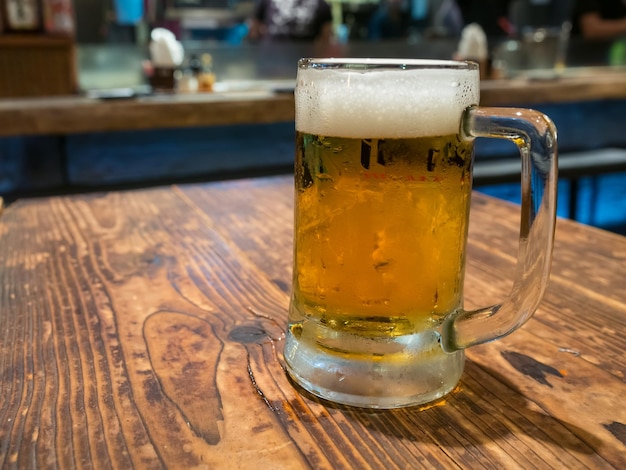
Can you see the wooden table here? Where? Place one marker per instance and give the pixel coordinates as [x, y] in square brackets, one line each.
[144, 329]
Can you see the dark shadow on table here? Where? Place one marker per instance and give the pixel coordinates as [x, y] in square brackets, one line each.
[494, 409]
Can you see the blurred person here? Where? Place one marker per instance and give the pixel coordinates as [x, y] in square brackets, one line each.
[599, 20]
[391, 20]
[447, 17]
[492, 15]
[300, 20]
[401, 18]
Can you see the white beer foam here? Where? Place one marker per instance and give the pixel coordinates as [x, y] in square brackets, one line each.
[383, 103]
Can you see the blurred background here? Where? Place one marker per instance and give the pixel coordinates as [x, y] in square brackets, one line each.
[110, 38]
[141, 49]
[113, 37]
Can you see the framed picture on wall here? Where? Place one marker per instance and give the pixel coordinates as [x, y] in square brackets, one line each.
[22, 15]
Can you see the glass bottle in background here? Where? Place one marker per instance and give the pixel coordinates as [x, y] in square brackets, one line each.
[617, 53]
[206, 77]
[188, 82]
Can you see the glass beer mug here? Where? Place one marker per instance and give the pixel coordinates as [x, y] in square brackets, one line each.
[383, 181]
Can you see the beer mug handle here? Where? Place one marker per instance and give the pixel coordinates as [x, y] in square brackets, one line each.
[535, 136]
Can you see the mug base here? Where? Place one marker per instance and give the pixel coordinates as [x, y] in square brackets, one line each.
[417, 372]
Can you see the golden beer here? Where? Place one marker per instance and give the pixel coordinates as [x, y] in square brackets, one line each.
[380, 232]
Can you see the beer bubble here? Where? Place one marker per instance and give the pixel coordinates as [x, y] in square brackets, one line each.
[296, 330]
[383, 266]
[324, 177]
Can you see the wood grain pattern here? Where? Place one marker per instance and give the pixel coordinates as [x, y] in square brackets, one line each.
[144, 329]
[36, 65]
[586, 84]
[76, 114]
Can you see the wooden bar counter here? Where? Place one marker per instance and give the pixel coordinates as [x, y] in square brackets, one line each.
[144, 329]
[257, 101]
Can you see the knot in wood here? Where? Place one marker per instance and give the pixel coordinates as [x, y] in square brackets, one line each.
[248, 334]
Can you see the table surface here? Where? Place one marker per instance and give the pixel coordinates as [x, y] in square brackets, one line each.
[257, 101]
[145, 329]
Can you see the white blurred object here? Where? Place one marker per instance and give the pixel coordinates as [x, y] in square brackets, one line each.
[473, 43]
[165, 50]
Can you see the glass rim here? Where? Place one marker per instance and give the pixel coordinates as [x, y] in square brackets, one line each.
[385, 63]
